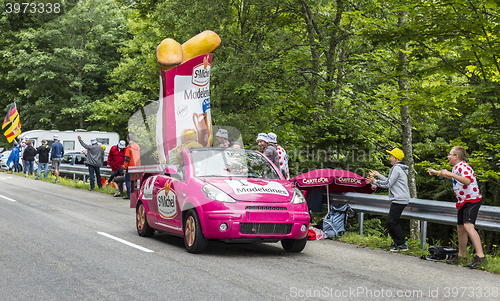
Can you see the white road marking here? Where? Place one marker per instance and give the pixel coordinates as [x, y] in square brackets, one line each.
[126, 242]
[8, 199]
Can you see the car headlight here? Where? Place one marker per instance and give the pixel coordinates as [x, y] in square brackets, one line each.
[297, 197]
[214, 193]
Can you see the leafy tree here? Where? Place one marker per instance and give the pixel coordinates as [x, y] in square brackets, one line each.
[63, 64]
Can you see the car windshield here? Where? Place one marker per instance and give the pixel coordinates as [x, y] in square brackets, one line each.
[231, 162]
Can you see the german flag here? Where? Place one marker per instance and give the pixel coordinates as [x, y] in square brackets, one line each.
[11, 115]
[14, 130]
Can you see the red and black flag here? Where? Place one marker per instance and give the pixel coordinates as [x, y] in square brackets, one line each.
[11, 116]
[14, 124]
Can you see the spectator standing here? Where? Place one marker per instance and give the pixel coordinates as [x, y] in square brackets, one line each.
[56, 154]
[95, 155]
[43, 159]
[283, 158]
[116, 158]
[268, 149]
[469, 200]
[21, 152]
[29, 157]
[132, 158]
[399, 195]
[13, 160]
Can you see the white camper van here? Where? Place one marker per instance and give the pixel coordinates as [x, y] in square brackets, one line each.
[69, 138]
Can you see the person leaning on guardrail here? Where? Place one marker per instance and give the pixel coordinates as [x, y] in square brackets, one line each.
[468, 202]
[399, 195]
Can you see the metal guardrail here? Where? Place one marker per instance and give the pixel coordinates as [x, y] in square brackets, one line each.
[81, 170]
[423, 210]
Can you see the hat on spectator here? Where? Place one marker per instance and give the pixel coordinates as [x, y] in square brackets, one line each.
[222, 133]
[121, 144]
[397, 153]
[263, 137]
[56, 137]
[93, 141]
[44, 141]
[272, 137]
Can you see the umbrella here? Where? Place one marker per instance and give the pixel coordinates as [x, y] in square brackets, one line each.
[336, 180]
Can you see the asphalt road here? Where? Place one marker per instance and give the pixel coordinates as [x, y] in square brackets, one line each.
[60, 243]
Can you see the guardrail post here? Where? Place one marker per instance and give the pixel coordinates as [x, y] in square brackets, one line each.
[74, 178]
[360, 222]
[423, 234]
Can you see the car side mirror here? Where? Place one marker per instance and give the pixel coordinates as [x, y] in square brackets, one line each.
[171, 170]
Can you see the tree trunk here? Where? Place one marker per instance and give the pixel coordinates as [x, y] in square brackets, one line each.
[406, 125]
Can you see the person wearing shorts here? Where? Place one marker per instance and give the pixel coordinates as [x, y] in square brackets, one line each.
[468, 203]
[468, 213]
[56, 154]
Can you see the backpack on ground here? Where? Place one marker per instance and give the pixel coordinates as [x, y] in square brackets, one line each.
[440, 253]
[334, 223]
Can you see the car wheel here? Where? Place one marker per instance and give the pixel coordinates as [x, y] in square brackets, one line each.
[194, 240]
[294, 245]
[143, 228]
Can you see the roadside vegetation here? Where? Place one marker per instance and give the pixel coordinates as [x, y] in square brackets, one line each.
[79, 184]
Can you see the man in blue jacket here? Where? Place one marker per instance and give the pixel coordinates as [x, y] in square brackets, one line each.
[56, 154]
[13, 160]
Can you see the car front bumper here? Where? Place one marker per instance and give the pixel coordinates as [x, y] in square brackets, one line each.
[254, 222]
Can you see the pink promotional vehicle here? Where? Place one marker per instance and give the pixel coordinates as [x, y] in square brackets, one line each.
[226, 194]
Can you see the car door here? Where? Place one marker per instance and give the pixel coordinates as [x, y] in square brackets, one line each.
[166, 204]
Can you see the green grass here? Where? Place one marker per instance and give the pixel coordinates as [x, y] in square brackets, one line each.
[68, 182]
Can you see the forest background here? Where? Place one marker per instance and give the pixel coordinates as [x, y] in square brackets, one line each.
[338, 81]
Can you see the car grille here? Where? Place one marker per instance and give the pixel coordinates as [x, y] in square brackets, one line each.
[265, 228]
[264, 208]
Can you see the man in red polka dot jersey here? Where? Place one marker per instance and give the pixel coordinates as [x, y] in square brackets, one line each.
[273, 138]
[468, 202]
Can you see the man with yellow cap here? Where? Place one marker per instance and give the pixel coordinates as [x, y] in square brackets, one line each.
[399, 195]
